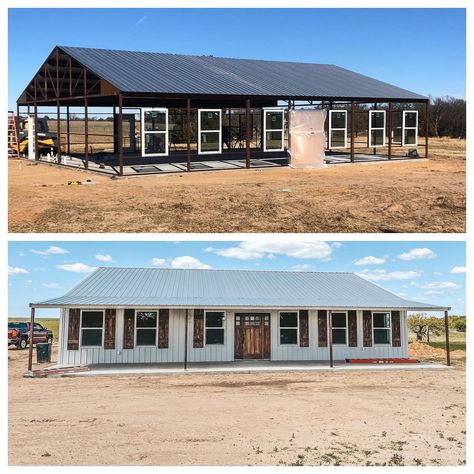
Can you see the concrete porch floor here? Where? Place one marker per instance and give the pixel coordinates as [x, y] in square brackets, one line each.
[241, 367]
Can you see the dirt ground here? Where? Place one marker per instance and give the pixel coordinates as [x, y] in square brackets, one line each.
[408, 196]
[307, 418]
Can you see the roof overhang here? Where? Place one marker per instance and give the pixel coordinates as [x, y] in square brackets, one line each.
[242, 307]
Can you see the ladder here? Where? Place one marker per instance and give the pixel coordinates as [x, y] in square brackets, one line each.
[13, 141]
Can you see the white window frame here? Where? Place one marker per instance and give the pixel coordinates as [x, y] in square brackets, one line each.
[383, 329]
[331, 147]
[145, 310]
[200, 152]
[297, 343]
[224, 321]
[371, 112]
[144, 132]
[282, 130]
[346, 329]
[409, 128]
[103, 328]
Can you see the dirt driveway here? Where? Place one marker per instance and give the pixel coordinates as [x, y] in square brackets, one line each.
[408, 196]
[307, 418]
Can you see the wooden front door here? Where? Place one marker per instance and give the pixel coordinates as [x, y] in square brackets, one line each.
[252, 336]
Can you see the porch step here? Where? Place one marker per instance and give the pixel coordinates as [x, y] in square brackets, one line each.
[382, 361]
[46, 372]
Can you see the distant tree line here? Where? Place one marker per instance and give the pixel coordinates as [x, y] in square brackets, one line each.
[447, 117]
[423, 326]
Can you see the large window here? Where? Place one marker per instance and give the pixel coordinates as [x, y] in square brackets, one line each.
[146, 328]
[288, 327]
[209, 131]
[92, 327]
[154, 132]
[274, 129]
[339, 328]
[376, 128]
[381, 328]
[214, 327]
[410, 128]
[397, 127]
[337, 129]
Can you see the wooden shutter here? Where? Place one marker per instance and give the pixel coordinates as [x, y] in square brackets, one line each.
[396, 333]
[322, 328]
[109, 336]
[304, 329]
[352, 328]
[198, 332]
[73, 329]
[367, 318]
[129, 329]
[163, 330]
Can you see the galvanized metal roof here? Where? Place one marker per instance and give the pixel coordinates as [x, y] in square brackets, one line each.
[149, 72]
[132, 287]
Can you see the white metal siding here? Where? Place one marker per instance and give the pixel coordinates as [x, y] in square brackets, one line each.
[220, 352]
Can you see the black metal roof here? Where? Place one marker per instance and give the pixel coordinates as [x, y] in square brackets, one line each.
[160, 73]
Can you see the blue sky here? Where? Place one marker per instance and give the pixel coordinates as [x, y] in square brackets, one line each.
[423, 50]
[431, 272]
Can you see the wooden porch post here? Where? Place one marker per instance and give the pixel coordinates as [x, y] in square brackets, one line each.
[389, 126]
[58, 108]
[86, 122]
[446, 330]
[331, 361]
[30, 340]
[119, 133]
[352, 132]
[288, 124]
[35, 120]
[68, 134]
[186, 341]
[375, 149]
[427, 126]
[188, 132]
[247, 133]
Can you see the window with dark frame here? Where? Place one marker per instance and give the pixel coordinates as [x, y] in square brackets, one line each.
[381, 328]
[92, 326]
[339, 328]
[214, 322]
[146, 328]
[288, 327]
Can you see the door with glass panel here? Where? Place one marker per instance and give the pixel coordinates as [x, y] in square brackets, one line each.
[209, 131]
[337, 129]
[154, 132]
[252, 336]
[274, 130]
[376, 128]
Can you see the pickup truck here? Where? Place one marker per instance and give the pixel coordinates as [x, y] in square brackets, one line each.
[19, 333]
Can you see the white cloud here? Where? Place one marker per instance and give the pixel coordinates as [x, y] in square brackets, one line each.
[141, 20]
[417, 254]
[53, 250]
[185, 261]
[29, 281]
[249, 250]
[369, 260]
[459, 269]
[22, 254]
[50, 285]
[304, 267]
[434, 292]
[158, 262]
[383, 275]
[104, 257]
[76, 267]
[336, 245]
[440, 285]
[16, 270]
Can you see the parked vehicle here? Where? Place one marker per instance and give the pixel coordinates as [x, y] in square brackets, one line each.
[19, 334]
